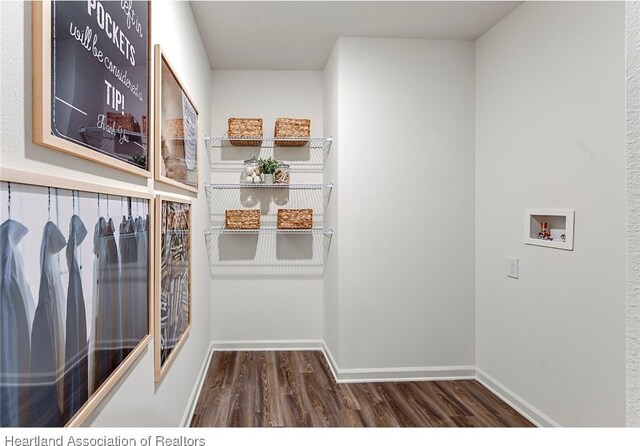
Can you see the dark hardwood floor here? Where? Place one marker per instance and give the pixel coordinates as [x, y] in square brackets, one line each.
[296, 388]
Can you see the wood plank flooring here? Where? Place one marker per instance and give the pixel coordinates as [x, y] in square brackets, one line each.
[296, 389]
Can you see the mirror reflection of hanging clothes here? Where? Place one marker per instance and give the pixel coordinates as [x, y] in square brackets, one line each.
[47, 338]
[15, 318]
[107, 325]
[76, 348]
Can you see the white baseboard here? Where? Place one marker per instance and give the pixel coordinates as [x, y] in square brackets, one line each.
[391, 374]
[294, 344]
[361, 375]
[519, 404]
[333, 364]
[197, 388]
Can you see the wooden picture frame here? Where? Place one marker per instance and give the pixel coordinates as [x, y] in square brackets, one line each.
[103, 117]
[176, 133]
[23, 200]
[177, 224]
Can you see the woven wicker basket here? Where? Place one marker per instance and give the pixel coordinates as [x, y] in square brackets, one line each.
[292, 128]
[242, 219]
[295, 218]
[245, 128]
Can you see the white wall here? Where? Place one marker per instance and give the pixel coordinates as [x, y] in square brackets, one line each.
[406, 203]
[135, 401]
[633, 213]
[257, 296]
[550, 109]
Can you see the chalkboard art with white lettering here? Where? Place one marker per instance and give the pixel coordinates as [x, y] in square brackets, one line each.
[100, 76]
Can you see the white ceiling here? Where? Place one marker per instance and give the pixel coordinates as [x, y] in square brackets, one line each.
[299, 35]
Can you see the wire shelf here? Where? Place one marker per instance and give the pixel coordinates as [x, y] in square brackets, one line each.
[299, 186]
[237, 253]
[315, 143]
[321, 231]
[311, 156]
[267, 198]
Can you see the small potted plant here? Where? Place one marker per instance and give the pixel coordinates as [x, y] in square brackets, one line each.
[267, 167]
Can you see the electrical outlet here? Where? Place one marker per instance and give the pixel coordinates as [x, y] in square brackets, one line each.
[512, 267]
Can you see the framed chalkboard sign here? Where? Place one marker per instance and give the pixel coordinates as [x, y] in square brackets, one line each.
[91, 77]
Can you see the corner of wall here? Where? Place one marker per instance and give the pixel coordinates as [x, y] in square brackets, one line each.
[633, 212]
[331, 302]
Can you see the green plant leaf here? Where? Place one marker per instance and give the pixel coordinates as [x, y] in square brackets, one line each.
[268, 165]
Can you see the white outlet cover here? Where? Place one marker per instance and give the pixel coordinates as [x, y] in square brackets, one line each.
[513, 267]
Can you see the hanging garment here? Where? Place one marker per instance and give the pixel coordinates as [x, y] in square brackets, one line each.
[18, 270]
[76, 347]
[95, 298]
[128, 253]
[15, 354]
[107, 328]
[141, 296]
[47, 338]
